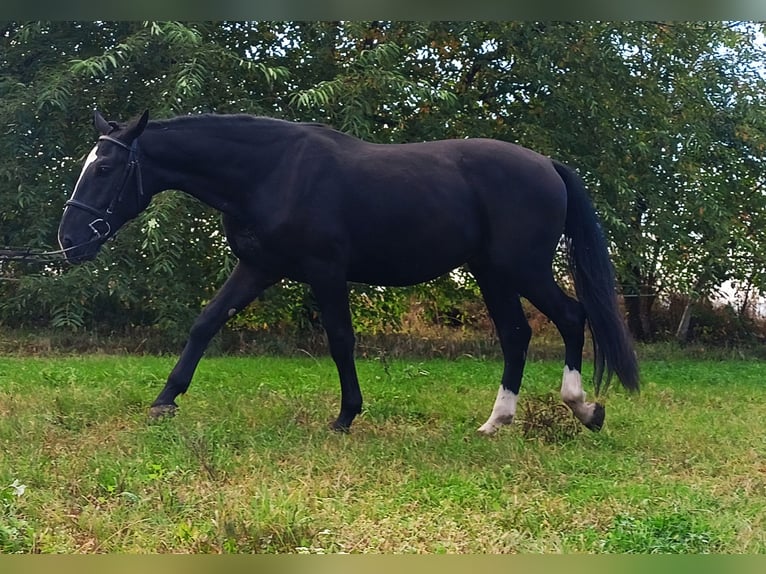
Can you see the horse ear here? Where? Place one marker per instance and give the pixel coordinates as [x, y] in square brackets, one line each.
[101, 124]
[136, 127]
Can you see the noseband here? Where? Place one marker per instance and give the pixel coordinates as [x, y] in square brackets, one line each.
[102, 217]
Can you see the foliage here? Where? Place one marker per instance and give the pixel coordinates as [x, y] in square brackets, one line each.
[664, 121]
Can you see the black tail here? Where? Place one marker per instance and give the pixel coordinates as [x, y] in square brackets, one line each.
[595, 286]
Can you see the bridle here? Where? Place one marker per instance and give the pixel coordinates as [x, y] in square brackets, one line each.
[102, 217]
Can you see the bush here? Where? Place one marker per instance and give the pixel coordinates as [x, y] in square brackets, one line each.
[710, 324]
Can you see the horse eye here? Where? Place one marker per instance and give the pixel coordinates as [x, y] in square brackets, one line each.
[103, 169]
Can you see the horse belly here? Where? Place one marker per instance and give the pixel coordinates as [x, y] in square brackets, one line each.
[408, 260]
[410, 232]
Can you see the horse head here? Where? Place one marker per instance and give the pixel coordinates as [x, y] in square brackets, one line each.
[109, 191]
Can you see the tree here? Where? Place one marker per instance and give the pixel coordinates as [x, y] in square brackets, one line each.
[664, 122]
[53, 76]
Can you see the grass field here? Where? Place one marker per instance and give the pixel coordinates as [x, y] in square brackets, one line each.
[248, 464]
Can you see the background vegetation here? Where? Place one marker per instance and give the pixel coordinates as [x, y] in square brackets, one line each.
[665, 121]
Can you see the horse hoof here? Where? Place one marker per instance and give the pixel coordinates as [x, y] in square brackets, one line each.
[162, 411]
[597, 420]
[487, 429]
[340, 427]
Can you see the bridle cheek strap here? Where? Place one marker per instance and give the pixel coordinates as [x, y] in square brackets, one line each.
[102, 217]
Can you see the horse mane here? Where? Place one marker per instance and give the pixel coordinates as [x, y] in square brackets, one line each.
[200, 121]
[216, 122]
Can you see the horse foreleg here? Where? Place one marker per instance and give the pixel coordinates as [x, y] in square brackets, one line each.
[243, 285]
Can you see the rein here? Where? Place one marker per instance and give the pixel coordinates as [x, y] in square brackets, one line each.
[133, 167]
[27, 254]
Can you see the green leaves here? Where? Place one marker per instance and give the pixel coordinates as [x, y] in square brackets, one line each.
[96, 65]
[664, 121]
[372, 86]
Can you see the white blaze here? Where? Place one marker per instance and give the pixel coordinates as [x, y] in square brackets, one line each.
[92, 156]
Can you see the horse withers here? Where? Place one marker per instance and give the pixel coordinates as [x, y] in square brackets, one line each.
[306, 202]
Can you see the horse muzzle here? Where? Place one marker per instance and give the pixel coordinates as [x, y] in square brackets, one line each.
[76, 253]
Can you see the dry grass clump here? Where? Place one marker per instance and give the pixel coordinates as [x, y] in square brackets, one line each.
[547, 419]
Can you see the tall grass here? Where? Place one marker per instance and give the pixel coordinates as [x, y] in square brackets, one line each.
[249, 465]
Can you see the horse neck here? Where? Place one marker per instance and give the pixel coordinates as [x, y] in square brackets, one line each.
[207, 165]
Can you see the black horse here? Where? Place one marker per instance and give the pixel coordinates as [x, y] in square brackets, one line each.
[306, 202]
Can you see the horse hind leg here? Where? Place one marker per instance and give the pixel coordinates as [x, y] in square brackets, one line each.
[591, 414]
[514, 334]
[569, 317]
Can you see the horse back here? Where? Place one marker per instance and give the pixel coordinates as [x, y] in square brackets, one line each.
[399, 214]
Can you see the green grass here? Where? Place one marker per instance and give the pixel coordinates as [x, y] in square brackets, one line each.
[249, 465]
